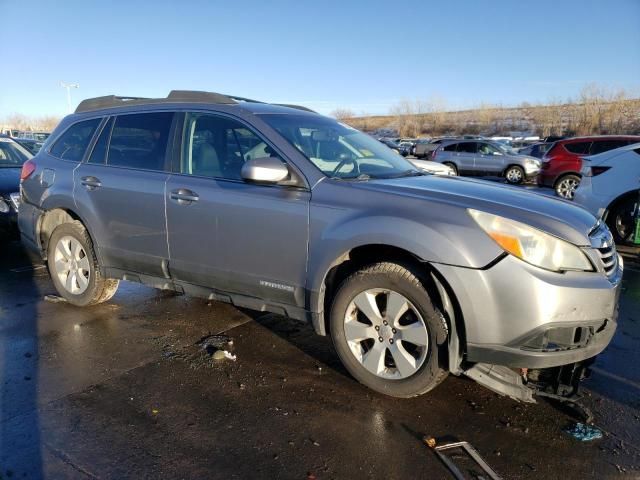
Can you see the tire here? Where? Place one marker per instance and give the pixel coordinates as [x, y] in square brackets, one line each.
[71, 243]
[453, 166]
[621, 221]
[566, 186]
[514, 175]
[420, 321]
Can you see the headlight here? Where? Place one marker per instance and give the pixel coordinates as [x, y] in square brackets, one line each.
[4, 206]
[531, 162]
[532, 245]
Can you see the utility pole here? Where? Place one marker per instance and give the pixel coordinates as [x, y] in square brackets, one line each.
[69, 86]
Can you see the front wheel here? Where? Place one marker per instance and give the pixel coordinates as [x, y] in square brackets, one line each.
[567, 185]
[452, 166]
[387, 332]
[514, 175]
[621, 220]
[74, 267]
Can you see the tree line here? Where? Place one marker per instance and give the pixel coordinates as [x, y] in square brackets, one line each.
[596, 110]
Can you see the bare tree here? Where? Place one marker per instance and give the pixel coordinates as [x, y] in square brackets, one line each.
[342, 114]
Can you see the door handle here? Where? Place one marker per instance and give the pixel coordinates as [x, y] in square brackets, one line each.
[91, 183]
[184, 196]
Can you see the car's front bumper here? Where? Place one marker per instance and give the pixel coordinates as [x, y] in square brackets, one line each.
[521, 316]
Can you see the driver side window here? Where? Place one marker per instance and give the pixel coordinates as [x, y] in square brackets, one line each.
[217, 147]
[486, 149]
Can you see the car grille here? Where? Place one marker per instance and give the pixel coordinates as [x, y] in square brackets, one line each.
[609, 259]
[602, 241]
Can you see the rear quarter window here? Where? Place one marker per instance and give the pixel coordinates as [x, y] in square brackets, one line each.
[73, 143]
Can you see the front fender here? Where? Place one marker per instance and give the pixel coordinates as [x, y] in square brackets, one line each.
[335, 232]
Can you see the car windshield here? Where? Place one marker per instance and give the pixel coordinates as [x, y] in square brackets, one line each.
[12, 154]
[338, 150]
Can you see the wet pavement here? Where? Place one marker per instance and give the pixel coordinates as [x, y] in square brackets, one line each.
[127, 389]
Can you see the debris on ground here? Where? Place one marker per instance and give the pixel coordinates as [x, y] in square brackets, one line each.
[469, 453]
[583, 432]
[54, 299]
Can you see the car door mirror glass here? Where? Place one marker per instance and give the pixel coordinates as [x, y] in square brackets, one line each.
[269, 170]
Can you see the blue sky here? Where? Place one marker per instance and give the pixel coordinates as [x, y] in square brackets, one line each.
[362, 55]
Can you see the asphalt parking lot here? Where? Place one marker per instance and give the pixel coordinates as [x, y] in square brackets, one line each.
[127, 389]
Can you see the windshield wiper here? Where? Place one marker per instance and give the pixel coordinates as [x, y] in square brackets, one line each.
[362, 177]
[407, 173]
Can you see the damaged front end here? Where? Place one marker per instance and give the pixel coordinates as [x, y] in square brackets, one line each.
[558, 383]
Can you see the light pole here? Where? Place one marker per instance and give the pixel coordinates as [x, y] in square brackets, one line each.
[69, 86]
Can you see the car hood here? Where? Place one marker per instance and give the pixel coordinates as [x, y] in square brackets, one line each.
[9, 180]
[430, 166]
[555, 216]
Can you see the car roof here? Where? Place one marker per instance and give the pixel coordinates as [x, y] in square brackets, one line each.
[592, 138]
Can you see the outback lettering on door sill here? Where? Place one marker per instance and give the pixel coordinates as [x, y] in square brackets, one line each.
[279, 286]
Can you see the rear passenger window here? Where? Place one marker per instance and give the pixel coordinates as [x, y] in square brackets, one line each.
[140, 140]
[580, 148]
[99, 153]
[218, 147]
[450, 148]
[73, 143]
[467, 147]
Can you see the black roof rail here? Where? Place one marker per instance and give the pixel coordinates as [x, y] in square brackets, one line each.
[105, 102]
[297, 107]
[110, 101]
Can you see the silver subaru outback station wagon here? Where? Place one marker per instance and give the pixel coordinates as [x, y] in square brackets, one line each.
[277, 208]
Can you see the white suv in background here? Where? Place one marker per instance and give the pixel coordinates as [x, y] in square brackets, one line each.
[610, 188]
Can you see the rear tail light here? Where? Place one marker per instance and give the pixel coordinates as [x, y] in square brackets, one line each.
[433, 155]
[595, 171]
[28, 168]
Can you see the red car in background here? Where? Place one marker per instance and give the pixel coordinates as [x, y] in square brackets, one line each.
[562, 163]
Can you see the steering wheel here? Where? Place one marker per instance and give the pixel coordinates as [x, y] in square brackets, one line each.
[344, 160]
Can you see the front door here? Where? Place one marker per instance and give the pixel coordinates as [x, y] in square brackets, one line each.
[119, 191]
[489, 160]
[225, 233]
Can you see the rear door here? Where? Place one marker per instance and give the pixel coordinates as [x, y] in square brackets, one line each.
[120, 191]
[489, 160]
[465, 153]
[225, 233]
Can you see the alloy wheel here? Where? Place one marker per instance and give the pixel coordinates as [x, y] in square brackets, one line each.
[386, 333]
[567, 188]
[71, 265]
[514, 175]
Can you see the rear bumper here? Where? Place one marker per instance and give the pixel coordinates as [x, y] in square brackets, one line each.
[28, 219]
[518, 315]
[546, 179]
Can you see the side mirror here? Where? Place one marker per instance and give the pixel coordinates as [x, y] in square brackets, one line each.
[264, 170]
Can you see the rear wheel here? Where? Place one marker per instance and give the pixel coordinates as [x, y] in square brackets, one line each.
[514, 175]
[621, 220]
[387, 332]
[567, 185]
[74, 267]
[453, 167]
